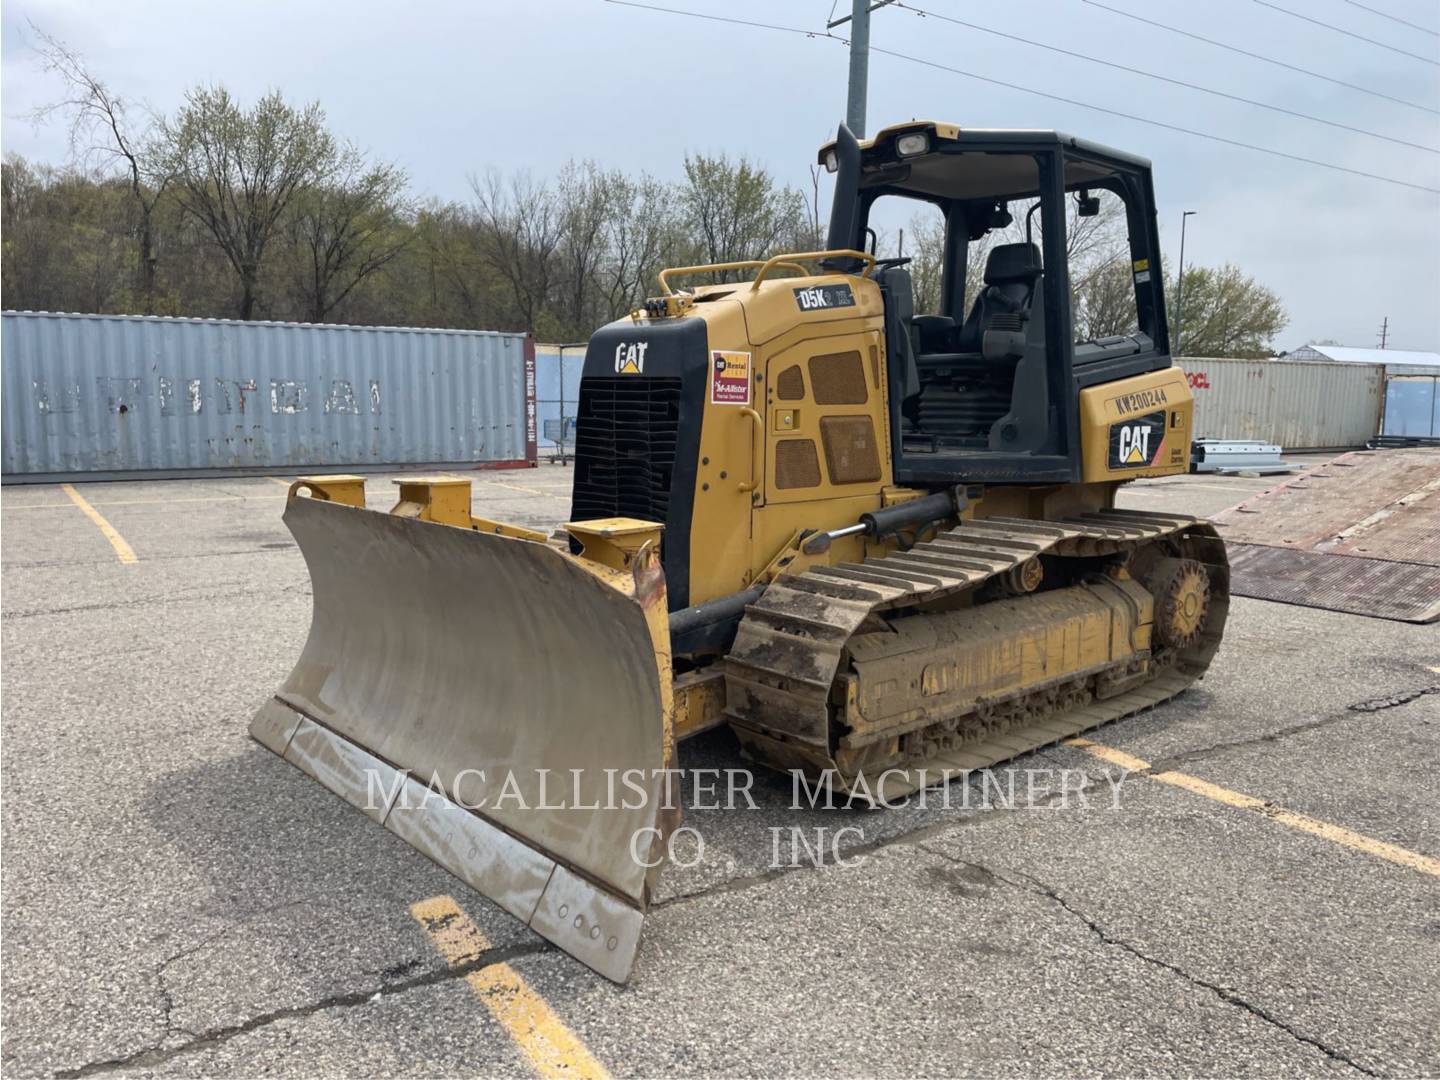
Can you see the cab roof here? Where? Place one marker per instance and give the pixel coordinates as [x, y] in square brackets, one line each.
[939, 171]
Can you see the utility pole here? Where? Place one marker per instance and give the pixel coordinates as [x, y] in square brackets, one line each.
[1180, 283]
[859, 60]
[1384, 330]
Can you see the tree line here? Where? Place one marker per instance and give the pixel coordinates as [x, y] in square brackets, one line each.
[262, 212]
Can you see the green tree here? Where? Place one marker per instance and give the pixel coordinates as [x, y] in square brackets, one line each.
[237, 171]
[1222, 311]
[734, 210]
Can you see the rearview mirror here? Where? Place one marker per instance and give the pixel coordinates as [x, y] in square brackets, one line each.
[1088, 205]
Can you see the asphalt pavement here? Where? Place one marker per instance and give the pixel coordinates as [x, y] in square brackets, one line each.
[178, 901]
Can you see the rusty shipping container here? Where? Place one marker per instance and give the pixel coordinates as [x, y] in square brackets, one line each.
[1296, 404]
[109, 396]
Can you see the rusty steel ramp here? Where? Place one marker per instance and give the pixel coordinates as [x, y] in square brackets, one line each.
[1359, 534]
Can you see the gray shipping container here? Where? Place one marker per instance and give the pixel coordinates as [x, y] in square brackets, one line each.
[118, 395]
[1412, 406]
[1296, 404]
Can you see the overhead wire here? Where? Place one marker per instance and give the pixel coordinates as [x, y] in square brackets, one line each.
[1038, 93]
[1164, 78]
[1394, 18]
[1261, 57]
[1342, 30]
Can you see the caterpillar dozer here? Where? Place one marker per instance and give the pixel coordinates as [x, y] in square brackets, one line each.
[881, 546]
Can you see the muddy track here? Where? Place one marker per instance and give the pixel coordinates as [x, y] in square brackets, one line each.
[792, 643]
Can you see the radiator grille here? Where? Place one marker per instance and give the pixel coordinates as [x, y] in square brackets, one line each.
[790, 386]
[625, 444]
[796, 464]
[838, 379]
[850, 451]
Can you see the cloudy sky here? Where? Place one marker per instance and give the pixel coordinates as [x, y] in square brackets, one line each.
[449, 88]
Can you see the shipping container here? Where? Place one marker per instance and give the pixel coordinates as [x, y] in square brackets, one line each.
[557, 380]
[1412, 406]
[109, 396]
[1298, 405]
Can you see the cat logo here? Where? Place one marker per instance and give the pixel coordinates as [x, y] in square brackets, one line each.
[630, 358]
[1134, 444]
[1137, 443]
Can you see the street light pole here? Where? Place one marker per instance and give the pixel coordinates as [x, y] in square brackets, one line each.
[1180, 283]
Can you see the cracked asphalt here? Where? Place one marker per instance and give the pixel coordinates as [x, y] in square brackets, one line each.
[177, 901]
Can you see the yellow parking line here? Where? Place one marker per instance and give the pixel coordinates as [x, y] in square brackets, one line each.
[1336, 834]
[516, 487]
[123, 551]
[151, 502]
[276, 480]
[550, 1047]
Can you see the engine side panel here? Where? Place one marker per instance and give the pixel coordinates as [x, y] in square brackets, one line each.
[1140, 426]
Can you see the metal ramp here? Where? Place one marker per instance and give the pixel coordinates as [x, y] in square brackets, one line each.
[1359, 534]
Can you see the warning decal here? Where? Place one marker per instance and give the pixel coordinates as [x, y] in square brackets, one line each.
[729, 378]
[1137, 443]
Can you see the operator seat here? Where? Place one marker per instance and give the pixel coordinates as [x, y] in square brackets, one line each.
[1010, 275]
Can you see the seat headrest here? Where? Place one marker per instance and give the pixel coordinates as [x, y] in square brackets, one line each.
[1012, 262]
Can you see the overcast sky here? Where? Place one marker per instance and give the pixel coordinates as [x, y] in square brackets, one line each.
[448, 88]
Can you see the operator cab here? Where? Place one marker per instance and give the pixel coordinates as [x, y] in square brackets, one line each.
[984, 376]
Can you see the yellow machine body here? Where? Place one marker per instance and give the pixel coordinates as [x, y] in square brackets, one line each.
[754, 545]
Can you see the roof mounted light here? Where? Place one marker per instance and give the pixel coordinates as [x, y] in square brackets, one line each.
[832, 163]
[916, 142]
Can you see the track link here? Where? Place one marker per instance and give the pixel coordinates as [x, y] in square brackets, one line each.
[792, 645]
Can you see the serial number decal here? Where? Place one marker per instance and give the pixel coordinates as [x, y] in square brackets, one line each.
[823, 297]
[1137, 443]
[1140, 399]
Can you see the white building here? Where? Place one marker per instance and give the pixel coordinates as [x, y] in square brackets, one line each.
[1344, 354]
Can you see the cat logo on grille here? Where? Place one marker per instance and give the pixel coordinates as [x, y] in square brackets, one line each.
[630, 357]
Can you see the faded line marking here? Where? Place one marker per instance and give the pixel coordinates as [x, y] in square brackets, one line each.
[123, 551]
[515, 487]
[154, 502]
[1336, 834]
[552, 1049]
[276, 480]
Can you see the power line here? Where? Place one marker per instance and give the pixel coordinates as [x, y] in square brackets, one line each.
[1347, 33]
[1393, 18]
[1039, 93]
[1165, 78]
[725, 19]
[1259, 56]
[1158, 123]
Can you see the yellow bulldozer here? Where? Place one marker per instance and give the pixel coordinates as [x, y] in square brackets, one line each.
[882, 547]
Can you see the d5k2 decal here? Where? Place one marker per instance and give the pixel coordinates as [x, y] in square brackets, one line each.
[1138, 442]
[824, 297]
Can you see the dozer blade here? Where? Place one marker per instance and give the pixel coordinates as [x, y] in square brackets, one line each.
[499, 704]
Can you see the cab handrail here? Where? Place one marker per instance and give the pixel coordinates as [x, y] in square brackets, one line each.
[786, 260]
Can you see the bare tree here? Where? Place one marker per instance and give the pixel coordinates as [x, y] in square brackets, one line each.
[237, 172]
[344, 230]
[103, 134]
[925, 243]
[585, 195]
[642, 232]
[520, 229]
